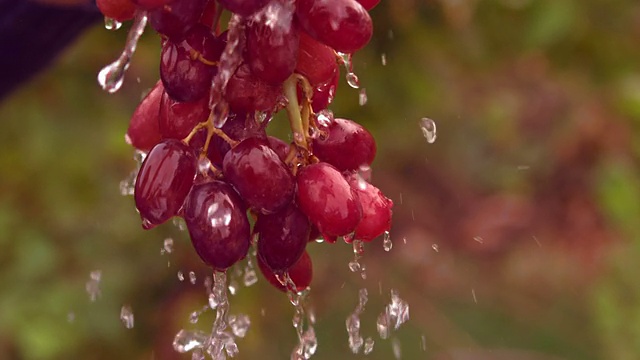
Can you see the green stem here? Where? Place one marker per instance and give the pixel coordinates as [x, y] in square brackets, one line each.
[293, 112]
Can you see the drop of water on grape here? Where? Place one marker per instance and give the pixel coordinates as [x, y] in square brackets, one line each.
[126, 316]
[93, 285]
[112, 24]
[387, 244]
[428, 127]
[362, 97]
[180, 276]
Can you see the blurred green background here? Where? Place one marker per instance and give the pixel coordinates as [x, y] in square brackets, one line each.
[515, 234]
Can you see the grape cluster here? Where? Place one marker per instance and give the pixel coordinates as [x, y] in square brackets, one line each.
[219, 170]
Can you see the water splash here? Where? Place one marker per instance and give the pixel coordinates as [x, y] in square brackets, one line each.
[307, 340]
[358, 251]
[368, 346]
[239, 324]
[249, 278]
[111, 76]
[186, 341]
[395, 314]
[229, 61]
[387, 244]
[353, 323]
[126, 316]
[428, 128]
[112, 24]
[93, 285]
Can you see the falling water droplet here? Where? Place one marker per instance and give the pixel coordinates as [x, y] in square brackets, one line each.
[112, 24]
[368, 346]
[239, 324]
[362, 97]
[387, 243]
[185, 341]
[353, 322]
[192, 277]
[383, 58]
[428, 127]
[111, 76]
[250, 276]
[180, 276]
[435, 247]
[352, 80]
[126, 316]
[397, 351]
[167, 246]
[395, 314]
[93, 285]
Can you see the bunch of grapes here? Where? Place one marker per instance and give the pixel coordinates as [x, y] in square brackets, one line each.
[203, 127]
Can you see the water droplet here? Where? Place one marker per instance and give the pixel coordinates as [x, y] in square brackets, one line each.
[250, 276]
[197, 355]
[192, 277]
[435, 247]
[353, 322]
[397, 351]
[478, 239]
[368, 346]
[233, 287]
[354, 266]
[112, 24]
[423, 341]
[111, 76]
[93, 285]
[167, 246]
[428, 127]
[194, 316]
[387, 243]
[179, 223]
[352, 80]
[239, 324]
[126, 316]
[185, 341]
[180, 276]
[383, 58]
[364, 175]
[362, 97]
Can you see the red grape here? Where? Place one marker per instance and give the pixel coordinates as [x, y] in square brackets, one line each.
[327, 199]
[376, 209]
[163, 182]
[151, 4]
[282, 237]
[143, 132]
[246, 93]
[369, 4]
[272, 45]
[217, 222]
[243, 7]
[119, 10]
[176, 17]
[178, 118]
[260, 177]
[347, 145]
[300, 273]
[342, 24]
[316, 61]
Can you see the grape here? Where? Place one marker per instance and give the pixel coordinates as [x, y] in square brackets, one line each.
[184, 73]
[258, 175]
[217, 222]
[327, 199]
[316, 61]
[237, 127]
[369, 4]
[243, 7]
[280, 147]
[376, 210]
[342, 24]
[347, 145]
[163, 182]
[323, 93]
[282, 237]
[143, 132]
[178, 118]
[151, 4]
[300, 273]
[272, 47]
[176, 18]
[119, 10]
[246, 93]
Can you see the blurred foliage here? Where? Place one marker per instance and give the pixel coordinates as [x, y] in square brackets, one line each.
[515, 233]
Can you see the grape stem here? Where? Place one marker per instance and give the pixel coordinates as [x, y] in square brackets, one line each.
[293, 112]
